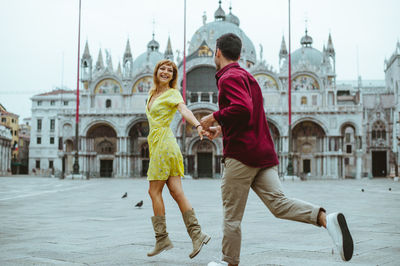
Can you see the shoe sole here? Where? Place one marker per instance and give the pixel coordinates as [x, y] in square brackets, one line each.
[348, 246]
[163, 249]
[205, 241]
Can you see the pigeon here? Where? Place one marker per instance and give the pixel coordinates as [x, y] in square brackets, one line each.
[139, 204]
[362, 190]
[390, 189]
[125, 195]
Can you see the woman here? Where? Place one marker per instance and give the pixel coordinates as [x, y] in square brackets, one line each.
[166, 163]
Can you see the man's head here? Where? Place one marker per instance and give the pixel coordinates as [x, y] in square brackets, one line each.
[228, 46]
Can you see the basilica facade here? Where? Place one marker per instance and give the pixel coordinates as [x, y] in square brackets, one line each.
[339, 129]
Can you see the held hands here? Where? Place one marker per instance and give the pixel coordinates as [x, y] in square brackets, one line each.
[209, 130]
[212, 132]
[207, 121]
[200, 131]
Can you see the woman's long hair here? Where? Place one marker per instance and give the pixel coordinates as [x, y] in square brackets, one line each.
[174, 80]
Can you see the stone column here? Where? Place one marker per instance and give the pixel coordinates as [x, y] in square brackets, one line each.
[359, 164]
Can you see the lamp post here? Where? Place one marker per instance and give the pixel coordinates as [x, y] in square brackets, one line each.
[184, 89]
[76, 162]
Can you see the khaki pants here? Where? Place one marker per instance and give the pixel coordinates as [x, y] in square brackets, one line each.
[236, 182]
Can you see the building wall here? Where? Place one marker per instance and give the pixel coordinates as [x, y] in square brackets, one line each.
[5, 151]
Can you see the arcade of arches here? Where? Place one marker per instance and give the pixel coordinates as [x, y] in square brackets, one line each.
[105, 154]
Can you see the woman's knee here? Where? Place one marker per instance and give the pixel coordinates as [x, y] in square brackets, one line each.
[154, 193]
[177, 194]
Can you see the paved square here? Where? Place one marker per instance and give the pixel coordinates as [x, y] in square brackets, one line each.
[47, 221]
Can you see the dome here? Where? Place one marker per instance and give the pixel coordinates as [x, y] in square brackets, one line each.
[219, 13]
[147, 59]
[232, 18]
[153, 45]
[210, 32]
[306, 40]
[307, 54]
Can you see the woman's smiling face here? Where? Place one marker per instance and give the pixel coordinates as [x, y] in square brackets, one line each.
[165, 74]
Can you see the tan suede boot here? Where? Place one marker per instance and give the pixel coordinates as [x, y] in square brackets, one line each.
[162, 239]
[194, 230]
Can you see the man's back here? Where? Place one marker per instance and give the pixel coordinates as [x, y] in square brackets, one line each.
[246, 135]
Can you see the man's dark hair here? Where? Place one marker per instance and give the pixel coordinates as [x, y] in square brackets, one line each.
[230, 46]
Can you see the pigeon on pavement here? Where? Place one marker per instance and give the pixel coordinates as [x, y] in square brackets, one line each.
[139, 204]
[125, 195]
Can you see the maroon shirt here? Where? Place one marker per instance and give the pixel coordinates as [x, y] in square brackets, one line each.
[241, 114]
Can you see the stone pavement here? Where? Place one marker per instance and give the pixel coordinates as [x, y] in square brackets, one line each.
[47, 221]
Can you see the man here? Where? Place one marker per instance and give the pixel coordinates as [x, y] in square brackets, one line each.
[250, 158]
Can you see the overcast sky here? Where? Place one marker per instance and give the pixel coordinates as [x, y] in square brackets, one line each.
[38, 47]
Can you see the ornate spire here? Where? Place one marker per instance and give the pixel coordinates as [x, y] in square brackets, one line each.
[128, 53]
[329, 48]
[109, 61]
[169, 54]
[86, 53]
[220, 13]
[283, 52]
[119, 71]
[99, 63]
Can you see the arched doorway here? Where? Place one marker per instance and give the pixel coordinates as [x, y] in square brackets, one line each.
[275, 136]
[307, 143]
[139, 149]
[379, 149]
[101, 143]
[349, 148]
[68, 158]
[203, 152]
[202, 157]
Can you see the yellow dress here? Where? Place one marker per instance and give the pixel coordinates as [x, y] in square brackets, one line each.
[165, 155]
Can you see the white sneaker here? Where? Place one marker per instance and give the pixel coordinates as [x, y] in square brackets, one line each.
[221, 263]
[340, 234]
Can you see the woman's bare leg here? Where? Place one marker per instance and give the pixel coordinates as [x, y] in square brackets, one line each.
[174, 184]
[155, 192]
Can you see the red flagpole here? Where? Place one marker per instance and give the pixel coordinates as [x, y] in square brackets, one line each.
[290, 77]
[290, 163]
[79, 46]
[76, 162]
[184, 53]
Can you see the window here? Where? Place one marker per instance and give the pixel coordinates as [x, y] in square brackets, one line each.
[314, 99]
[65, 102]
[39, 124]
[52, 124]
[51, 164]
[38, 164]
[108, 103]
[60, 143]
[378, 131]
[51, 140]
[3, 119]
[52, 103]
[39, 103]
[347, 137]
[348, 148]
[15, 133]
[39, 140]
[304, 100]
[12, 120]
[346, 161]
[144, 151]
